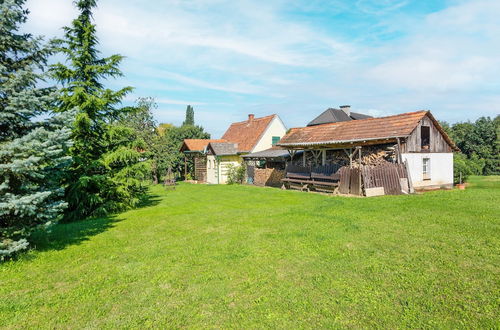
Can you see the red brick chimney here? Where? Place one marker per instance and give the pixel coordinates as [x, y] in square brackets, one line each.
[251, 117]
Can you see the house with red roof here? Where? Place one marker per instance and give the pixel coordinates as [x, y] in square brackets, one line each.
[414, 139]
[213, 158]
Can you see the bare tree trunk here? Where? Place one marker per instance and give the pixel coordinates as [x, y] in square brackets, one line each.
[155, 173]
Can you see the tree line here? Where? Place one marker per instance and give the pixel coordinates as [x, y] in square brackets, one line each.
[479, 144]
[71, 151]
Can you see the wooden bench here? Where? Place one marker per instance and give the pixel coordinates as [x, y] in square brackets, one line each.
[322, 178]
[297, 177]
[325, 177]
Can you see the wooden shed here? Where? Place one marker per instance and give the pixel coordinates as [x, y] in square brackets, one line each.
[194, 150]
[415, 139]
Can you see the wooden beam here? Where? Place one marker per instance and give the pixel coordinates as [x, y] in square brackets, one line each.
[410, 182]
[359, 172]
[185, 166]
[400, 158]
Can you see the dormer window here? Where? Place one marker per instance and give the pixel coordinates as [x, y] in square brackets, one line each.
[425, 137]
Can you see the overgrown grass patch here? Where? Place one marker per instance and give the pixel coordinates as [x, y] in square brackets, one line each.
[247, 257]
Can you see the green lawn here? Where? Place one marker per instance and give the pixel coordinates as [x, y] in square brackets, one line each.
[249, 257]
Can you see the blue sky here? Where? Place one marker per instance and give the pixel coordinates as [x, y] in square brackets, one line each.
[296, 58]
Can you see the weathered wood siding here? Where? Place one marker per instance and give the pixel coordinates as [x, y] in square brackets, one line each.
[200, 168]
[437, 142]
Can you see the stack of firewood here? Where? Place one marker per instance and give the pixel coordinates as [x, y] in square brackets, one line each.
[376, 157]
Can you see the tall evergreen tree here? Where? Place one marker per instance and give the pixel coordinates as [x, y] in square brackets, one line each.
[106, 166]
[189, 121]
[32, 153]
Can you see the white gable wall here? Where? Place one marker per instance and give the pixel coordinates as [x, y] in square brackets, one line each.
[441, 169]
[275, 128]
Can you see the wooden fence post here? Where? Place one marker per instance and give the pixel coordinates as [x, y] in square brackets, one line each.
[410, 183]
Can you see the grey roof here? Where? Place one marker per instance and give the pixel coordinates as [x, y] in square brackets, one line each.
[358, 116]
[270, 153]
[335, 115]
[223, 148]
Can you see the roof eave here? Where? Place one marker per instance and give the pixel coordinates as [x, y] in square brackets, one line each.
[338, 141]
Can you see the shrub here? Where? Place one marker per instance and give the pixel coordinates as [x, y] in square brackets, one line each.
[235, 174]
[466, 167]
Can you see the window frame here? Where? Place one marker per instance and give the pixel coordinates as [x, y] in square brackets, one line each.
[426, 168]
[425, 146]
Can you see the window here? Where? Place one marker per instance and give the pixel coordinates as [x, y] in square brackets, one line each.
[426, 168]
[209, 163]
[425, 137]
[276, 139]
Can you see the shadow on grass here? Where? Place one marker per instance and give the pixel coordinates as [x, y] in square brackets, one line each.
[64, 234]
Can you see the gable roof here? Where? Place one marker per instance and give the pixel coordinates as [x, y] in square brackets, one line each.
[247, 133]
[223, 148]
[273, 152]
[332, 115]
[197, 144]
[390, 127]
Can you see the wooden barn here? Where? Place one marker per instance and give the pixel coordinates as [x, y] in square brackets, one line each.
[384, 153]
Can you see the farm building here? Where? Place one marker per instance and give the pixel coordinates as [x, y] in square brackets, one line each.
[251, 135]
[332, 115]
[220, 156]
[195, 150]
[267, 167]
[412, 146]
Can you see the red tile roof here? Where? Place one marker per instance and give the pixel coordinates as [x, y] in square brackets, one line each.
[197, 144]
[247, 133]
[389, 127]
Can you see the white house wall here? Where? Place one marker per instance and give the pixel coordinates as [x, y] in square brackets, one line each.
[275, 128]
[211, 169]
[224, 163]
[441, 169]
[217, 169]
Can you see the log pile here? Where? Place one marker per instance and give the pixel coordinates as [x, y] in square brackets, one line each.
[370, 155]
[268, 177]
[374, 157]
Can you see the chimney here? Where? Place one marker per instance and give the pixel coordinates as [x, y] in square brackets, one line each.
[251, 117]
[346, 109]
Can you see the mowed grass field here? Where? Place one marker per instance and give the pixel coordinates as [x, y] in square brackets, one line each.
[206, 256]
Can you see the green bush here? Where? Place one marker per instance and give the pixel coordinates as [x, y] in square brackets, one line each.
[466, 166]
[235, 174]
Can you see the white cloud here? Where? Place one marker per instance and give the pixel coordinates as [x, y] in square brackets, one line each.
[452, 50]
[47, 17]
[233, 57]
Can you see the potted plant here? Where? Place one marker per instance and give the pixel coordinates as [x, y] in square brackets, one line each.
[460, 185]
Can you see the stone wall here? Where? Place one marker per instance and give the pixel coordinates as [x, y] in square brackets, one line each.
[268, 177]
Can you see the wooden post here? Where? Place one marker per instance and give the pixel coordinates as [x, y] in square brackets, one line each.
[400, 158]
[304, 158]
[410, 183]
[323, 158]
[359, 172]
[185, 166]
